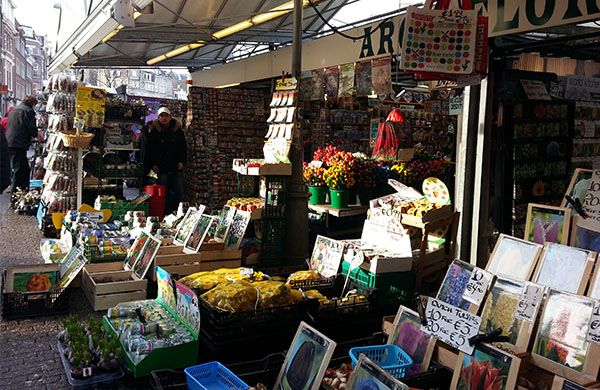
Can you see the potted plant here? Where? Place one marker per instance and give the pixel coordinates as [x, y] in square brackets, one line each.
[313, 176]
[339, 178]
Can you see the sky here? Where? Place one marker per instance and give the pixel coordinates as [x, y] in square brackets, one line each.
[39, 14]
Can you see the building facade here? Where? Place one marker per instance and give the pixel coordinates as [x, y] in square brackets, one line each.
[37, 51]
[141, 82]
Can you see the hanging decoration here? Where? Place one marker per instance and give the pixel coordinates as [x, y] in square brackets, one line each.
[394, 140]
[382, 76]
[331, 82]
[346, 85]
[364, 85]
[317, 84]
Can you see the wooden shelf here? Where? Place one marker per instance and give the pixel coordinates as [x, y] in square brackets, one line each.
[353, 209]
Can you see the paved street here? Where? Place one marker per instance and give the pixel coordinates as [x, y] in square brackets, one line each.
[28, 353]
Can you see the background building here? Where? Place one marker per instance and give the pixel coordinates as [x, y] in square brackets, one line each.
[141, 82]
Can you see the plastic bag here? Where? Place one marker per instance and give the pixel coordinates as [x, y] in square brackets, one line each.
[274, 294]
[304, 275]
[233, 296]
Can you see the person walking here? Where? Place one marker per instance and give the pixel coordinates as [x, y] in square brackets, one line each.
[166, 153]
[4, 121]
[20, 129]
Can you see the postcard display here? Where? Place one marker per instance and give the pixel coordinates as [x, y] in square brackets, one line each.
[224, 124]
[60, 181]
[174, 316]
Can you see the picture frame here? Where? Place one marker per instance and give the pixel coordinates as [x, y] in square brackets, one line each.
[408, 335]
[547, 224]
[31, 277]
[146, 258]
[308, 343]
[185, 226]
[562, 348]
[577, 187]
[564, 268]
[236, 232]
[514, 257]
[498, 311]
[227, 215]
[368, 372]
[593, 290]
[560, 383]
[585, 236]
[326, 256]
[454, 284]
[503, 366]
[135, 251]
[198, 233]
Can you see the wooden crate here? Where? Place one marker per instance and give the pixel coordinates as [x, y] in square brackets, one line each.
[430, 216]
[106, 285]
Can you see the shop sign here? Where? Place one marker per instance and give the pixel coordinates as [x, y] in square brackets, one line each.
[582, 88]
[442, 84]
[591, 203]
[455, 106]
[286, 84]
[3, 89]
[513, 16]
[385, 40]
[535, 90]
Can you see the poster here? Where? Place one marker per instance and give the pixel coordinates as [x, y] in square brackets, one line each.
[439, 41]
[382, 76]
[188, 308]
[145, 260]
[198, 234]
[331, 82]
[346, 85]
[326, 256]
[165, 293]
[237, 230]
[305, 89]
[364, 83]
[317, 84]
[90, 106]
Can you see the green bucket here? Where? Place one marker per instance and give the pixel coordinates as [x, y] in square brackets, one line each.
[339, 198]
[317, 194]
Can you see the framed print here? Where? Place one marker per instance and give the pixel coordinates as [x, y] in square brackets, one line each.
[580, 183]
[560, 344]
[146, 258]
[185, 226]
[306, 361]
[369, 376]
[499, 311]
[565, 268]
[514, 257]
[560, 383]
[584, 237]
[225, 221]
[455, 282]
[31, 277]
[547, 224]
[236, 232]
[136, 251]
[497, 369]
[409, 336]
[198, 233]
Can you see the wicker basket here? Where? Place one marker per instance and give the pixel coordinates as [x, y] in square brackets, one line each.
[77, 139]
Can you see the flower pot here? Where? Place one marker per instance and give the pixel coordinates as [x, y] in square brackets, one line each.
[365, 195]
[339, 198]
[317, 194]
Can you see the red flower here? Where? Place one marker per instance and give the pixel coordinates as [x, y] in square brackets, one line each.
[482, 376]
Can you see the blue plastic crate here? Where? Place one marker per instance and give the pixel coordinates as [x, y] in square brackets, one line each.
[213, 376]
[389, 357]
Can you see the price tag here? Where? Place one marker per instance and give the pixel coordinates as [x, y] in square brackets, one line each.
[316, 164]
[451, 325]
[87, 371]
[529, 302]
[456, 103]
[247, 272]
[354, 257]
[477, 286]
[593, 333]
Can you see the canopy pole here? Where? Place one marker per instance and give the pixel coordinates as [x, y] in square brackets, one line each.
[297, 208]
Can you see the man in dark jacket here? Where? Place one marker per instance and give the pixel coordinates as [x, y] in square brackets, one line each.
[166, 153]
[21, 128]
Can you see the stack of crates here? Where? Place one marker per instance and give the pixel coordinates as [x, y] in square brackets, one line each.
[272, 226]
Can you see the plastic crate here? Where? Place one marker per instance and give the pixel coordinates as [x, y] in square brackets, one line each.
[341, 307]
[313, 284]
[272, 248]
[393, 286]
[168, 380]
[105, 380]
[121, 208]
[275, 197]
[389, 357]
[17, 305]
[92, 253]
[213, 376]
[263, 371]
[438, 377]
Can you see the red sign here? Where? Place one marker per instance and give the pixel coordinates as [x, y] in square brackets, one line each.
[3, 89]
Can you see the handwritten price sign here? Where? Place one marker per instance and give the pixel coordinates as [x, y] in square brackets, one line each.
[591, 203]
[477, 286]
[529, 302]
[451, 325]
[593, 334]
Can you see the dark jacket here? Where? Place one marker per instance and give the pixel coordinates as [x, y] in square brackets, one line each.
[21, 127]
[165, 147]
[4, 163]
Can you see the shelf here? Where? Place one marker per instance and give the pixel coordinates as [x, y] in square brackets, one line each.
[353, 209]
[341, 123]
[121, 148]
[399, 102]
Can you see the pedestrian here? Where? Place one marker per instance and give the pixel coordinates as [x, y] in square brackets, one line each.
[166, 153]
[4, 120]
[4, 163]
[20, 129]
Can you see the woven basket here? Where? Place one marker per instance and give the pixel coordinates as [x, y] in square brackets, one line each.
[76, 139]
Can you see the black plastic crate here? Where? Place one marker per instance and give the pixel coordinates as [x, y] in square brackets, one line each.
[168, 380]
[313, 284]
[17, 305]
[272, 249]
[275, 197]
[438, 377]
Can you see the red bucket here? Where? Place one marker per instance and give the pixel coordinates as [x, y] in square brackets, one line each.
[156, 206]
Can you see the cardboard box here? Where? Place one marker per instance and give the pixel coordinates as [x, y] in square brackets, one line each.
[110, 284]
[384, 265]
[388, 325]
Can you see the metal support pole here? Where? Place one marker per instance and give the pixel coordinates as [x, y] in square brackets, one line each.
[297, 209]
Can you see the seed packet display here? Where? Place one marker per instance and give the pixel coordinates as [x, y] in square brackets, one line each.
[146, 258]
[514, 257]
[237, 230]
[369, 376]
[561, 345]
[185, 226]
[224, 223]
[306, 361]
[499, 310]
[454, 285]
[486, 365]
[409, 336]
[565, 268]
[198, 234]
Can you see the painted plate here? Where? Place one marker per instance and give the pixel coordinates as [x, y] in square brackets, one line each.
[436, 191]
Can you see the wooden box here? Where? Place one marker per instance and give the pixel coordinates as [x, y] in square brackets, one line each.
[106, 285]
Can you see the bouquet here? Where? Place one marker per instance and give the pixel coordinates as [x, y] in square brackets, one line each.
[364, 174]
[339, 177]
[313, 176]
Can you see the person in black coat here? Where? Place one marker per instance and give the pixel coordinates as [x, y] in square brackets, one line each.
[4, 163]
[166, 154]
[21, 128]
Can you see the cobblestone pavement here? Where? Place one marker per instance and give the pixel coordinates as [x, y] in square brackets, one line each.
[28, 354]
